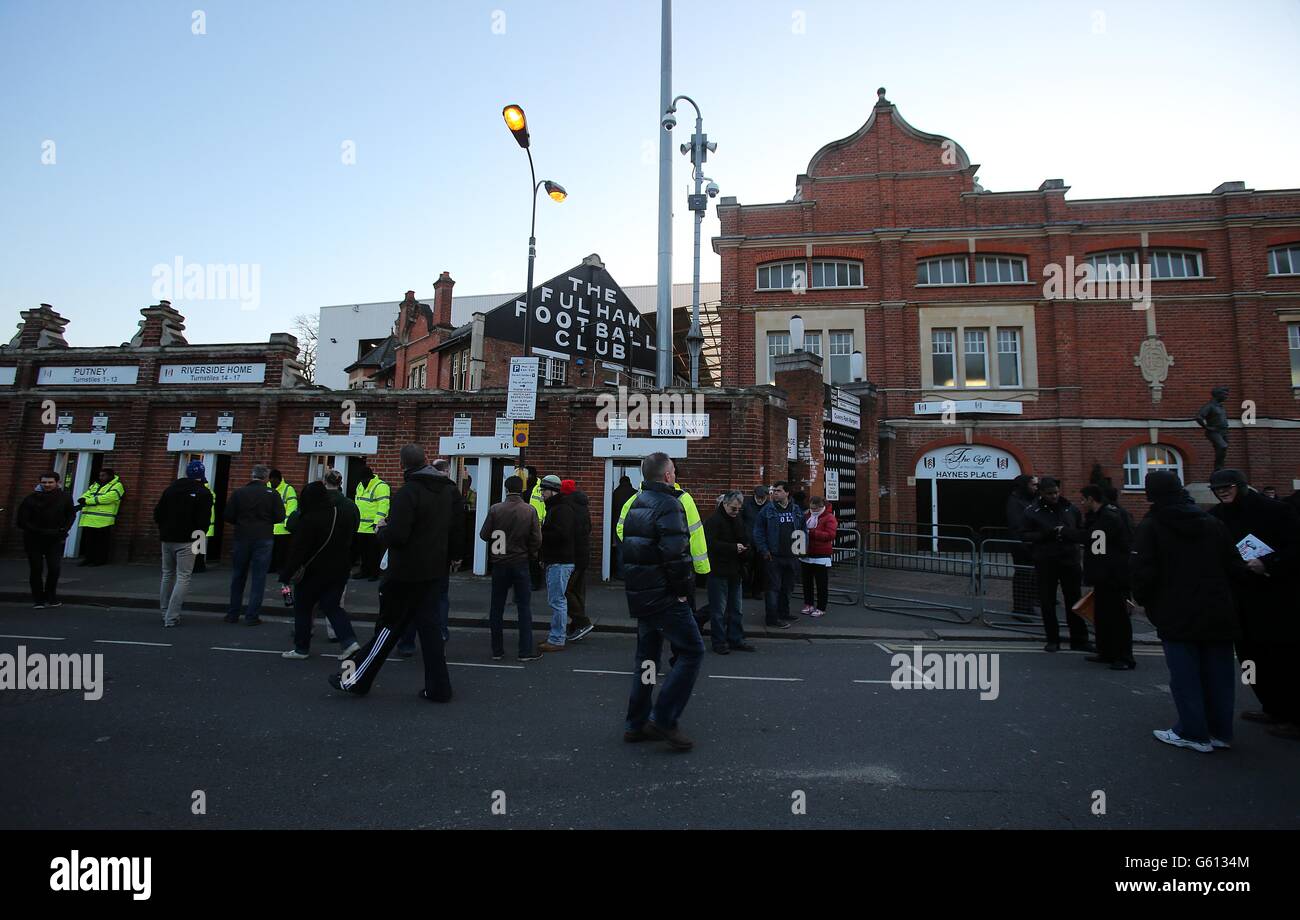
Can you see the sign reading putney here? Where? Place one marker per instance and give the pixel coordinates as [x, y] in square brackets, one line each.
[582, 313]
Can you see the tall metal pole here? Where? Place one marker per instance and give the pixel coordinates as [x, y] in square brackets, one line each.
[694, 336]
[528, 293]
[664, 306]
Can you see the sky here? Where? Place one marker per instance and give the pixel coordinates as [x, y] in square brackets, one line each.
[345, 152]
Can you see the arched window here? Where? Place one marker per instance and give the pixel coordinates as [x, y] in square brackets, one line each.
[1146, 458]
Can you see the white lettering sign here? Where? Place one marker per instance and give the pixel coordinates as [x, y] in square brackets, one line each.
[692, 425]
[521, 399]
[87, 375]
[832, 485]
[792, 439]
[344, 444]
[66, 440]
[505, 429]
[212, 373]
[967, 461]
[219, 443]
[460, 426]
[968, 406]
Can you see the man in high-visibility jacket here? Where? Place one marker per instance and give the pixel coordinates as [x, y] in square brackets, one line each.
[201, 559]
[372, 501]
[280, 536]
[694, 526]
[99, 506]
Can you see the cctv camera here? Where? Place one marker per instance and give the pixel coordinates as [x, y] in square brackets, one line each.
[712, 189]
[669, 122]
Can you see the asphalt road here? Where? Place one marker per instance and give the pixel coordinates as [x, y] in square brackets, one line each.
[270, 745]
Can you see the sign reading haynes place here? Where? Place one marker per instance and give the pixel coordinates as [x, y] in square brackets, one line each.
[212, 373]
[582, 313]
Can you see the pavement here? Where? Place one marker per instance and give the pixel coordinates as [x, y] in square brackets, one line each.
[137, 586]
[804, 733]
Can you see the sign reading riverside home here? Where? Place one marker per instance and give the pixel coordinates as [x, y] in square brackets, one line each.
[212, 373]
[582, 313]
[88, 375]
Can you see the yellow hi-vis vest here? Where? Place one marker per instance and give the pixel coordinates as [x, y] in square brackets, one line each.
[212, 512]
[372, 501]
[102, 502]
[694, 526]
[539, 504]
[290, 499]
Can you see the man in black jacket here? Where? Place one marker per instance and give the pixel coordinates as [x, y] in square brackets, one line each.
[559, 556]
[659, 576]
[254, 510]
[1267, 594]
[1106, 546]
[756, 570]
[1054, 530]
[575, 595]
[624, 491]
[45, 517]
[1024, 490]
[729, 546]
[182, 517]
[422, 534]
[1181, 567]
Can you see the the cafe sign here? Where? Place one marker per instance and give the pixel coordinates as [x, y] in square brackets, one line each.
[967, 461]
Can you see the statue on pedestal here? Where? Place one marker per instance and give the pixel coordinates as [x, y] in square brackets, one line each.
[1213, 417]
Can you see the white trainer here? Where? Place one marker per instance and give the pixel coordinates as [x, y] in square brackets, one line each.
[354, 647]
[294, 655]
[1169, 736]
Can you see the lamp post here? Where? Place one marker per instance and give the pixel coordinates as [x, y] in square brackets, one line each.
[698, 150]
[517, 122]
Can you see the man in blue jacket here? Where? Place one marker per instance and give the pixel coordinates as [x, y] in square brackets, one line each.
[780, 537]
[659, 578]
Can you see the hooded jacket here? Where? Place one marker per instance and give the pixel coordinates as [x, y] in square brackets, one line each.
[1105, 562]
[425, 528]
[1040, 523]
[185, 507]
[657, 566]
[582, 537]
[749, 513]
[1181, 566]
[326, 554]
[47, 514]
[775, 528]
[560, 531]
[1269, 606]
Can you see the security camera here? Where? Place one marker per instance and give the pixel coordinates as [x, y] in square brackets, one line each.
[669, 121]
[712, 189]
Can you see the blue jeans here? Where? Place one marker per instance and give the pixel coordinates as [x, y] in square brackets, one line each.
[557, 585]
[505, 577]
[442, 611]
[678, 626]
[254, 555]
[781, 574]
[724, 611]
[1203, 682]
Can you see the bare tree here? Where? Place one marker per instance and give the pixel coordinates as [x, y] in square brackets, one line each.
[306, 326]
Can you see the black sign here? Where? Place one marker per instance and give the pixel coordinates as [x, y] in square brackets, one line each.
[582, 313]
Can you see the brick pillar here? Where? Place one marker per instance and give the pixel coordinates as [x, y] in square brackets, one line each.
[799, 376]
[40, 328]
[162, 325]
[442, 299]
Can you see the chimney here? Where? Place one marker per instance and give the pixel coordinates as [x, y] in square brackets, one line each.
[162, 325]
[442, 299]
[40, 328]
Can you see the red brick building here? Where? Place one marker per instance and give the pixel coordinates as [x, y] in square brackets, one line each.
[891, 248]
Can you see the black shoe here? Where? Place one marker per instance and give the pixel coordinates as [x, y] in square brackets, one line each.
[1123, 665]
[1052, 647]
[337, 683]
[426, 695]
[581, 632]
[1086, 647]
[721, 650]
[673, 736]
[54, 603]
[256, 621]
[743, 647]
[779, 624]
[1097, 658]
[531, 656]
[633, 735]
[497, 656]
[233, 619]
[404, 652]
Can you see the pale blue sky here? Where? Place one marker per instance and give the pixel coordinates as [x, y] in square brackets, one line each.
[225, 147]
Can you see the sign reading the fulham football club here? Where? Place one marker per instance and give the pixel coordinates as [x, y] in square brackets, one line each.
[212, 373]
[967, 461]
[88, 375]
[582, 313]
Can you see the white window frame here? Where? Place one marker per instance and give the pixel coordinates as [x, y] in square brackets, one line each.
[981, 334]
[1181, 256]
[1292, 252]
[937, 262]
[999, 262]
[774, 348]
[851, 267]
[950, 334]
[813, 338]
[1293, 352]
[1016, 337]
[1113, 265]
[554, 370]
[835, 346]
[763, 274]
[1137, 463]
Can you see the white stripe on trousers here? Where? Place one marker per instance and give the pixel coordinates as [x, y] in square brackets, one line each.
[380, 639]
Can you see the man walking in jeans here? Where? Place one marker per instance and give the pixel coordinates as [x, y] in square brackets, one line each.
[659, 577]
[559, 555]
[778, 544]
[513, 536]
[254, 509]
[181, 514]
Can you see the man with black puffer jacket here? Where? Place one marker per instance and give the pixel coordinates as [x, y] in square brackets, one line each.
[182, 516]
[45, 517]
[575, 595]
[559, 555]
[422, 534]
[1054, 529]
[659, 576]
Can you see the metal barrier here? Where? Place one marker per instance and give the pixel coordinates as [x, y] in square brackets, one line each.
[997, 563]
[888, 549]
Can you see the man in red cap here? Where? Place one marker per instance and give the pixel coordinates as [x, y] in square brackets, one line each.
[559, 554]
[576, 595]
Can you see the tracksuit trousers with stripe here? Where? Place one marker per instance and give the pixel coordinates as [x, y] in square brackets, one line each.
[400, 604]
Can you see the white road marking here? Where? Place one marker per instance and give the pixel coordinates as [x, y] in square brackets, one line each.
[585, 671]
[873, 681]
[254, 651]
[46, 638]
[790, 680]
[470, 664]
[127, 642]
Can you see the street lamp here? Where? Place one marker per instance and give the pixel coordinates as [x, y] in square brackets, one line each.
[698, 150]
[517, 122]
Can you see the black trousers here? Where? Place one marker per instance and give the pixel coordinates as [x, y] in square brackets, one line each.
[815, 579]
[1051, 574]
[400, 604]
[1277, 685]
[279, 552]
[1114, 628]
[96, 544]
[44, 562]
[367, 549]
[755, 575]
[576, 595]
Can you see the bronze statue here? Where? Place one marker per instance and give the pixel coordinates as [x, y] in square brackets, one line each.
[1213, 417]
